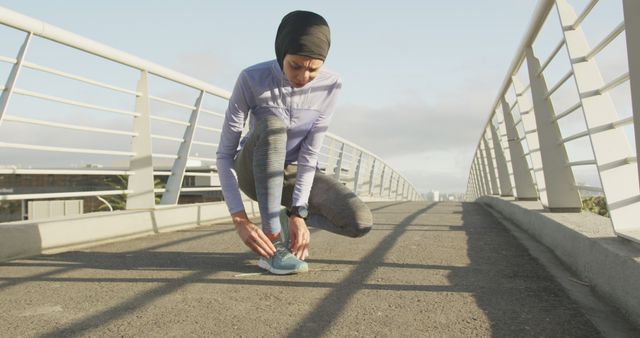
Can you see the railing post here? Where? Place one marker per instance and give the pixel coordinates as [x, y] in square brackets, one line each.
[141, 183]
[559, 184]
[397, 187]
[331, 164]
[391, 185]
[384, 167]
[475, 186]
[373, 168]
[610, 145]
[174, 183]
[530, 136]
[338, 168]
[632, 32]
[471, 181]
[388, 184]
[501, 162]
[489, 165]
[13, 76]
[525, 189]
[356, 176]
[484, 183]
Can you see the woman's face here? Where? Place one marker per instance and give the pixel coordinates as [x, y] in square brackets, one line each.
[301, 70]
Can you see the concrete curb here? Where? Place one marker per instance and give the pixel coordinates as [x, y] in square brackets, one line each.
[30, 238]
[587, 244]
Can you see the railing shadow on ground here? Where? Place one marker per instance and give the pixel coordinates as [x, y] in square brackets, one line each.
[501, 276]
[512, 290]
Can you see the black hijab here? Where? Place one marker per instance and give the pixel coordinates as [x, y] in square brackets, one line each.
[303, 33]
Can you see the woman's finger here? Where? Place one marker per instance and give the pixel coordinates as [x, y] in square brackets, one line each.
[263, 247]
[260, 252]
[265, 242]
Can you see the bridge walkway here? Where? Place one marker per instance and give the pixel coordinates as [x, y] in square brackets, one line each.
[440, 269]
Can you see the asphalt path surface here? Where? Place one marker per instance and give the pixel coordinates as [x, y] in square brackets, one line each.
[427, 270]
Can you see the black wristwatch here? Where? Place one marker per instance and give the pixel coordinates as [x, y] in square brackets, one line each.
[298, 210]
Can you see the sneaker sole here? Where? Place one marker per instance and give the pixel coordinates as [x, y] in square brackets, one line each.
[266, 266]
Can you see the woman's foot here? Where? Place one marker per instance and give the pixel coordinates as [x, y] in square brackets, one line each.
[283, 262]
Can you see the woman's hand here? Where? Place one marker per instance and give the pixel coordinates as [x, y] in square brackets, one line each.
[252, 236]
[300, 237]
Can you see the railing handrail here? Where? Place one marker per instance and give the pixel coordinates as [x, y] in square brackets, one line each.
[357, 165]
[54, 33]
[538, 19]
[539, 157]
[364, 150]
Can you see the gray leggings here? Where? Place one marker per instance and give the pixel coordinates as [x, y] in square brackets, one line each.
[263, 176]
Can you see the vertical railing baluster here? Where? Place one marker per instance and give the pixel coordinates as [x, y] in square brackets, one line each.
[141, 183]
[338, 168]
[632, 31]
[530, 136]
[356, 175]
[384, 167]
[558, 185]
[371, 176]
[501, 163]
[6, 94]
[486, 190]
[174, 183]
[489, 165]
[611, 148]
[331, 163]
[476, 180]
[525, 189]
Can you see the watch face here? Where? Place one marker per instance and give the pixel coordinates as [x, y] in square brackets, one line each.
[303, 212]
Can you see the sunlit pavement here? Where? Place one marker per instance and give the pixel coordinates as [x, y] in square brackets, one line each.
[445, 269]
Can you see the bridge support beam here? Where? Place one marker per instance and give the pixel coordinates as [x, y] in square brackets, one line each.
[472, 189]
[6, 93]
[501, 162]
[371, 176]
[489, 165]
[558, 185]
[338, 168]
[478, 178]
[356, 175]
[617, 166]
[384, 168]
[174, 183]
[521, 174]
[482, 173]
[141, 183]
[530, 136]
[632, 32]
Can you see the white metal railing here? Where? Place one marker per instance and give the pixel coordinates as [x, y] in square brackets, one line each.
[571, 125]
[157, 128]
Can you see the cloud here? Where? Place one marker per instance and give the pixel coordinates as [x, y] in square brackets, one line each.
[429, 140]
[445, 171]
[207, 66]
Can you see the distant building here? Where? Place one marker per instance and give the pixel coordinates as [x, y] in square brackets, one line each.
[433, 196]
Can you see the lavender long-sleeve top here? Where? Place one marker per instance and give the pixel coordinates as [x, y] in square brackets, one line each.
[263, 90]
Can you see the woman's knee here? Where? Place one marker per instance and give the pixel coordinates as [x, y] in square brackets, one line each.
[363, 221]
[349, 215]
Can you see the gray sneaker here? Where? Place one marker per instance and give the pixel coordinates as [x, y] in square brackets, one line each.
[283, 262]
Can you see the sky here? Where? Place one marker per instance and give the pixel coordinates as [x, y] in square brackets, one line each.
[419, 77]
